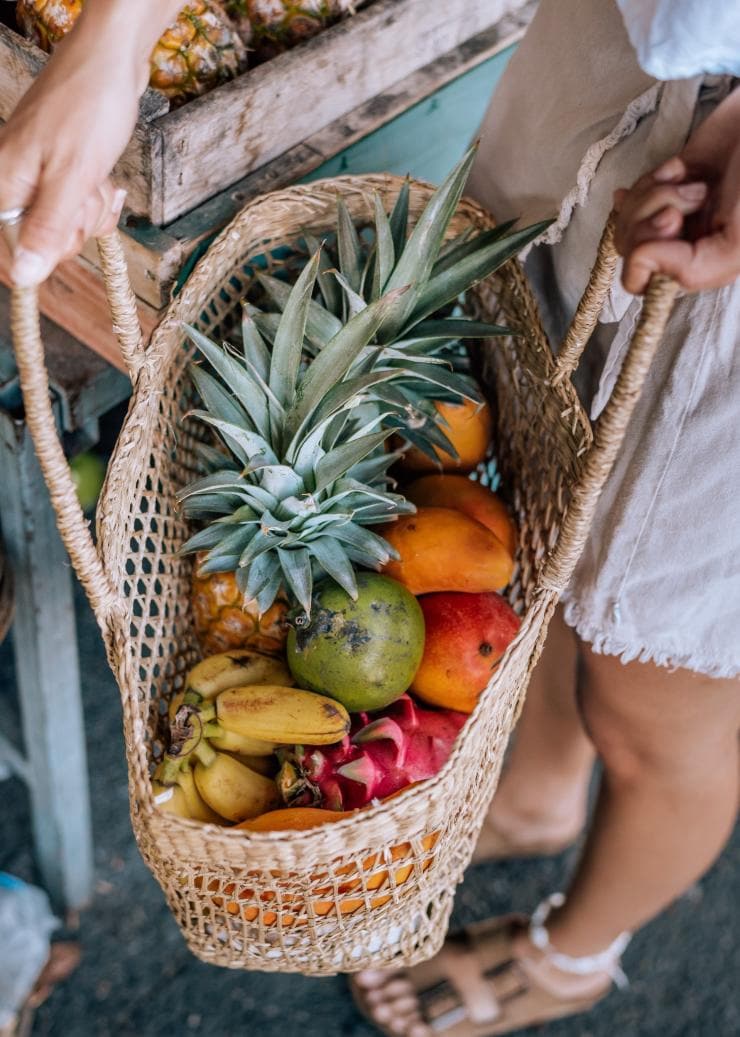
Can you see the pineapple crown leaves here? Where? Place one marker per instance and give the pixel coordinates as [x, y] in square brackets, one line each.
[424, 348]
[305, 471]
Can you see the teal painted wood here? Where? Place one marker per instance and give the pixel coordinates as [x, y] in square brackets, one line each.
[429, 138]
[47, 669]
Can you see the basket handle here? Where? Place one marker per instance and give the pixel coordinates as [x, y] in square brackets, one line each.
[29, 351]
[588, 310]
[612, 424]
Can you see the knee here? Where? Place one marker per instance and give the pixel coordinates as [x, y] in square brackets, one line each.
[631, 748]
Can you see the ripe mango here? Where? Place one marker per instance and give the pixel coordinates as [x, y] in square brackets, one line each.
[472, 498]
[466, 635]
[468, 426]
[445, 550]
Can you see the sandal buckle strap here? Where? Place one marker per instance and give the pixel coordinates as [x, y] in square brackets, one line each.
[605, 961]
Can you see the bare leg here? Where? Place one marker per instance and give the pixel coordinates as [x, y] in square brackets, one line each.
[669, 745]
[668, 801]
[542, 795]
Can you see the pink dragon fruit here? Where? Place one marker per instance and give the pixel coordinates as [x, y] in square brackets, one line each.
[383, 753]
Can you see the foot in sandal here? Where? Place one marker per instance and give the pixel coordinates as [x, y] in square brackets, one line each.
[493, 978]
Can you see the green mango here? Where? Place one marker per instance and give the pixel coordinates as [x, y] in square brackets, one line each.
[363, 653]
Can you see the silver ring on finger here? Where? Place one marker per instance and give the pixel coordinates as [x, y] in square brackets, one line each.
[10, 217]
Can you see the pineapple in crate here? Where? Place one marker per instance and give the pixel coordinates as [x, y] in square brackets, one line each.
[197, 52]
[271, 26]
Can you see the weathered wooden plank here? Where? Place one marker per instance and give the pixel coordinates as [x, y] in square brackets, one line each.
[153, 257]
[246, 123]
[303, 161]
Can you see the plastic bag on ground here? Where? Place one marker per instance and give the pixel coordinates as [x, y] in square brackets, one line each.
[26, 922]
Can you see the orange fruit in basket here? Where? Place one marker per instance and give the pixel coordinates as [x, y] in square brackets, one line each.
[332, 886]
[472, 498]
[442, 549]
[224, 620]
[468, 426]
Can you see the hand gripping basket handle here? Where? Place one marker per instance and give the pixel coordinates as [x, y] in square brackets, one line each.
[73, 526]
[612, 424]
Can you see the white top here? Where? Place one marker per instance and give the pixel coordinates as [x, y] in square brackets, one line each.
[677, 39]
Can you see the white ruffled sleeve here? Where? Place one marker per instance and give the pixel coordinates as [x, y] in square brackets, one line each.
[677, 39]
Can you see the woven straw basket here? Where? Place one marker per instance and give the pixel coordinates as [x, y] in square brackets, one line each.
[377, 888]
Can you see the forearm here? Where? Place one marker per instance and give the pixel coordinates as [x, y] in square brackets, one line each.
[130, 27]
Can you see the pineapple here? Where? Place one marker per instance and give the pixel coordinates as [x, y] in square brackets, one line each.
[306, 407]
[308, 469]
[199, 51]
[224, 620]
[272, 26]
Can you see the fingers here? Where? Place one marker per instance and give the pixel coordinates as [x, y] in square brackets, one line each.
[710, 262]
[654, 208]
[56, 227]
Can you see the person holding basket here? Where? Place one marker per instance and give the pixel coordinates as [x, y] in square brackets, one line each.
[641, 666]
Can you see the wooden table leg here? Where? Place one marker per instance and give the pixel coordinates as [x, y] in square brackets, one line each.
[47, 671]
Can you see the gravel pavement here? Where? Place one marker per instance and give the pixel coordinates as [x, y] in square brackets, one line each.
[137, 978]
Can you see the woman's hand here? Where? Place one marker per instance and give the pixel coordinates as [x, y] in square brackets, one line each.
[65, 136]
[683, 219]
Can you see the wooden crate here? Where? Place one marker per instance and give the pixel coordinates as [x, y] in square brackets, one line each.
[74, 297]
[176, 159]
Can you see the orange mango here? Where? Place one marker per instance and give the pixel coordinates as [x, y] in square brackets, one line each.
[472, 498]
[445, 550]
[469, 427]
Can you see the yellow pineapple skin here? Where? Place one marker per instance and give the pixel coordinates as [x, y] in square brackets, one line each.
[224, 621]
[197, 52]
[273, 26]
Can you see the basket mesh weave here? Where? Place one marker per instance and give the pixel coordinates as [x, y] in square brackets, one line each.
[378, 888]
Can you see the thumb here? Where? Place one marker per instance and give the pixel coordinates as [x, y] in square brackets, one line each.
[45, 231]
[710, 262]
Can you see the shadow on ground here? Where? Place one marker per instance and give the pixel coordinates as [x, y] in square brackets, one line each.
[137, 978]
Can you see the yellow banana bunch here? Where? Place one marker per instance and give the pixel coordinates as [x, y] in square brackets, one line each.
[234, 669]
[288, 716]
[175, 792]
[233, 789]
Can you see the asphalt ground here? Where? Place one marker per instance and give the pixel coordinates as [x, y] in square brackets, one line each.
[137, 979]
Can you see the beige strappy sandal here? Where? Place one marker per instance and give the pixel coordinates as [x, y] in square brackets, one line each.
[487, 980]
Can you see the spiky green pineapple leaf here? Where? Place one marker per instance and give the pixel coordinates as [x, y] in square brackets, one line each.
[371, 545]
[355, 303]
[450, 284]
[327, 285]
[216, 398]
[258, 545]
[335, 360]
[414, 264]
[223, 479]
[255, 348]
[349, 247]
[339, 460]
[288, 346]
[218, 564]
[385, 249]
[213, 458]
[246, 390]
[333, 560]
[249, 447]
[321, 324]
[453, 383]
[399, 220]
[456, 328]
[203, 540]
[470, 243]
[296, 566]
[261, 574]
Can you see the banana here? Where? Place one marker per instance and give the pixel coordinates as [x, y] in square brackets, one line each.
[266, 765]
[229, 741]
[243, 666]
[233, 790]
[184, 799]
[288, 716]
